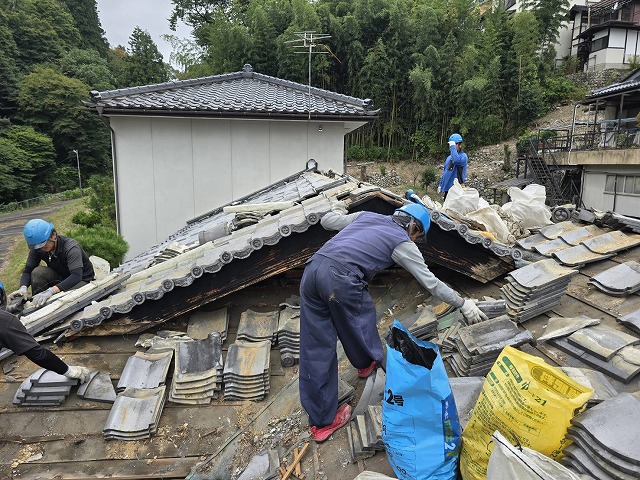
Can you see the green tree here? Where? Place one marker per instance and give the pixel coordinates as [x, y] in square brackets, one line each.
[143, 64]
[88, 67]
[42, 30]
[15, 176]
[85, 16]
[8, 68]
[52, 103]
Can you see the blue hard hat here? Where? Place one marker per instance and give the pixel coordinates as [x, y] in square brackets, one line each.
[37, 232]
[419, 213]
[455, 137]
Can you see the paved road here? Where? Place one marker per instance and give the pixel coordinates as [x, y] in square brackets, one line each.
[11, 226]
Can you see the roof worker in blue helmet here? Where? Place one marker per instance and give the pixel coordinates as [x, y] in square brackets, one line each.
[455, 166]
[66, 267]
[335, 302]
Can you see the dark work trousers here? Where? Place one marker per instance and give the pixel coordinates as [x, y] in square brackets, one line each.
[334, 303]
[44, 277]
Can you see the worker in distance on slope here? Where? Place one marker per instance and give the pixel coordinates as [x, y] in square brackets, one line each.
[14, 336]
[335, 302]
[67, 265]
[455, 166]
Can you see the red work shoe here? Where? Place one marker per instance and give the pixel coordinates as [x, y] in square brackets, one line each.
[342, 418]
[365, 372]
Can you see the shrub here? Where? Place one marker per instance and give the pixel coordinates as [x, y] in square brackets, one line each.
[429, 176]
[90, 219]
[101, 241]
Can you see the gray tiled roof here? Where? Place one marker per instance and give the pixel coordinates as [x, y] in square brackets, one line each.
[244, 92]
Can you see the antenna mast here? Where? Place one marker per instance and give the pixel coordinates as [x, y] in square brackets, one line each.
[305, 43]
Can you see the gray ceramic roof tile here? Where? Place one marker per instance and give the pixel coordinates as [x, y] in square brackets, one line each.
[602, 341]
[202, 323]
[623, 279]
[550, 246]
[245, 92]
[608, 424]
[616, 466]
[611, 242]
[561, 326]
[578, 256]
[602, 388]
[552, 232]
[539, 274]
[632, 320]
[145, 370]
[578, 235]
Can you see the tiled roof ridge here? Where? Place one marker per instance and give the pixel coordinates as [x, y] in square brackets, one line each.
[247, 72]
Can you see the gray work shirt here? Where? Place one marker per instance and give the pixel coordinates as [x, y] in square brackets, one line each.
[407, 255]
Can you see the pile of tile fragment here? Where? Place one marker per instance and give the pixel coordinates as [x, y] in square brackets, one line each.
[365, 428]
[535, 288]
[44, 388]
[477, 346]
[605, 439]
[198, 371]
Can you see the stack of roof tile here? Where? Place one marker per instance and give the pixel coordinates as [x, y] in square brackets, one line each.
[202, 323]
[365, 433]
[604, 447]
[258, 326]
[479, 345]
[289, 336]
[135, 414]
[619, 281]
[44, 388]
[145, 370]
[535, 288]
[246, 370]
[425, 326]
[197, 376]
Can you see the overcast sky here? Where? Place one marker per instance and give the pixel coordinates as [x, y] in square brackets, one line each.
[119, 17]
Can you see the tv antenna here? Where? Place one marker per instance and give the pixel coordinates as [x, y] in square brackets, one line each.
[305, 44]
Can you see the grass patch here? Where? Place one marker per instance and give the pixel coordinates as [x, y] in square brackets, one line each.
[10, 274]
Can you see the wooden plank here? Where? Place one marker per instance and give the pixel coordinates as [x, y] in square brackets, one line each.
[127, 469]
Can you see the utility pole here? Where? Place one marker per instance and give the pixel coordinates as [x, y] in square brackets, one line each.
[79, 177]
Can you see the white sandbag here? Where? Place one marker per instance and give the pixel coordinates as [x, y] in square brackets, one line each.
[530, 215]
[532, 193]
[461, 200]
[430, 203]
[488, 217]
[528, 206]
[508, 463]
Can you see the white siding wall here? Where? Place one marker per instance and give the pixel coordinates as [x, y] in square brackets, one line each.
[170, 170]
[623, 44]
[593, 190]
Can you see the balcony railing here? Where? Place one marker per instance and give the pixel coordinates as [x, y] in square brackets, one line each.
[609, 134]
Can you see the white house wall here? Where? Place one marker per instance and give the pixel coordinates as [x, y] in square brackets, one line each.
[594, 195]
[623, 45]
[170, 170]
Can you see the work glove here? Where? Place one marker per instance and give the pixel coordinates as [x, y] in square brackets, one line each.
[439, 189]
[21, 292]
[41, 298]
[452, 143]
[81, 373]
[471, 312]
[339, 207]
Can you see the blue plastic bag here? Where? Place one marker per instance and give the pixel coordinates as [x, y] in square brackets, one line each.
[420, 426]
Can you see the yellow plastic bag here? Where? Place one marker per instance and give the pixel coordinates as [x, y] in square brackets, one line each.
[522, 396]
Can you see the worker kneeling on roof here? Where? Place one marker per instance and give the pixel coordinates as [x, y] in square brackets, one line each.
[67, 265]
[335, 302]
